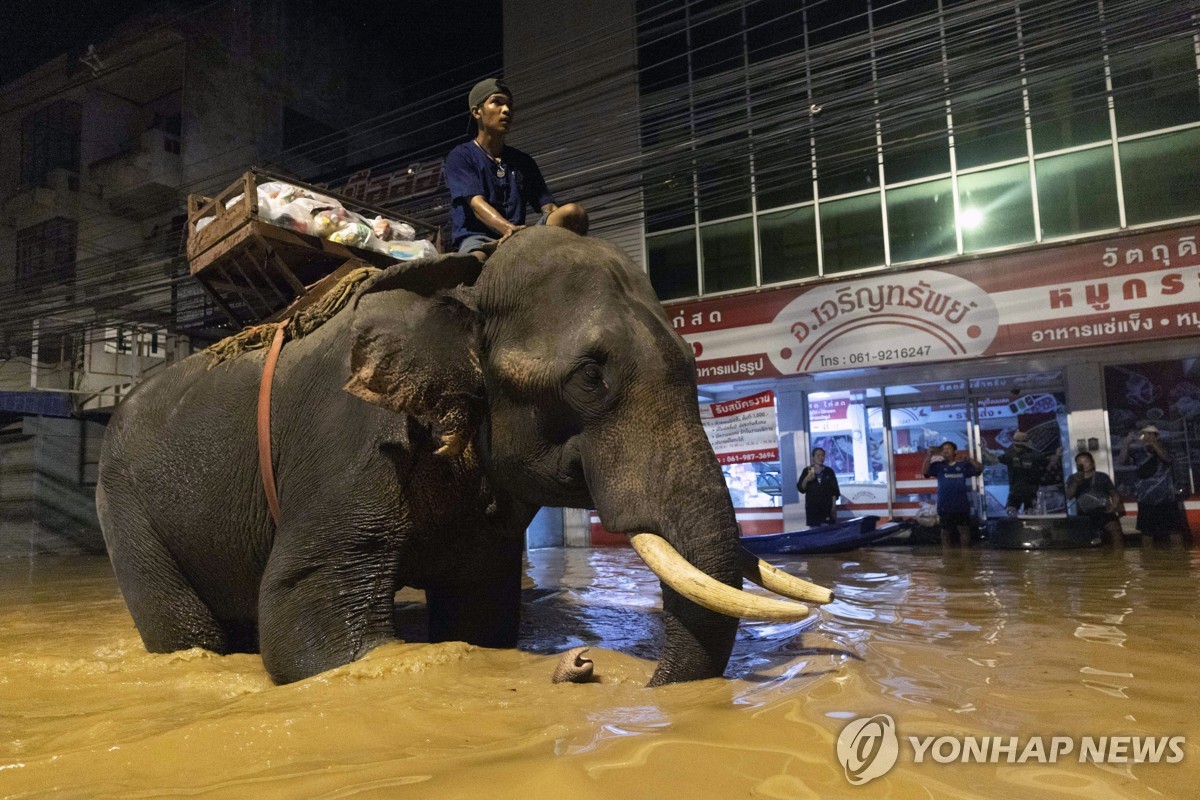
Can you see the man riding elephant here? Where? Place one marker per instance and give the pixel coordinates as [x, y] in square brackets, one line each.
[412, 437]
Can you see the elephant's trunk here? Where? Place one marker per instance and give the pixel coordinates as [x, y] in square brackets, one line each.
[687, 534]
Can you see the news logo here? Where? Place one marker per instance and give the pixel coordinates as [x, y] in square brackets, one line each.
[868, 748]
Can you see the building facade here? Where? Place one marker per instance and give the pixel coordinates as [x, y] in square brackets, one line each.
[102, 146]
[926, 220]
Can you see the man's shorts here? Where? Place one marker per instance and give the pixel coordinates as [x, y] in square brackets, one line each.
[479, 241]
[952, 520]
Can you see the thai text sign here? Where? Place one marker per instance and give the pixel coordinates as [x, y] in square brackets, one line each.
[743, 429]
[1132, 288]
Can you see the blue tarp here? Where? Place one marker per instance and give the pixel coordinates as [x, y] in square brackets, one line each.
[42, 404]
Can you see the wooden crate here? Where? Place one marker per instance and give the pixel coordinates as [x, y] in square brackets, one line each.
[253, 269]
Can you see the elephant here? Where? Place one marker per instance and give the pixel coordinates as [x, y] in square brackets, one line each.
[413, 436]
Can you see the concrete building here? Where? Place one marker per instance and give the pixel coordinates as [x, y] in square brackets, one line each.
[101, 147]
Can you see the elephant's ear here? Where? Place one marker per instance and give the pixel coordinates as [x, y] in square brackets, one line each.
[419, 356]
[427, 276]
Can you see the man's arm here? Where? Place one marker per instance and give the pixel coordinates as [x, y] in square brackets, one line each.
[926, 465]
[1123, 457]
[489, 216]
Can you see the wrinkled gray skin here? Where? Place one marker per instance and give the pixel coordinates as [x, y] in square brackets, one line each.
[557, 372]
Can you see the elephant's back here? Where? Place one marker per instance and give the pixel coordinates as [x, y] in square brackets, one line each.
[180, 457]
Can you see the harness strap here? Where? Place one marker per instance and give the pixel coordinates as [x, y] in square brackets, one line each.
[264, 423]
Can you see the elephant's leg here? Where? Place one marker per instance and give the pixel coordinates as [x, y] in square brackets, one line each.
[168, 613]
[484, 609]
[320, 608]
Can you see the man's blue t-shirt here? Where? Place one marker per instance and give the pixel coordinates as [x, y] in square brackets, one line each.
[953, 485]
[471, 172]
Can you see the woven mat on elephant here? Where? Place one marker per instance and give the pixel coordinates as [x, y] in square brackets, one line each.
[258, 337]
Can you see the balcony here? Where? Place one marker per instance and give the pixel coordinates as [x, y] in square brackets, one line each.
[58, 196]
[142, 180]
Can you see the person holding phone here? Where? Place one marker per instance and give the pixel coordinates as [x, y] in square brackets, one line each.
[1095, 497]
[820, 488]
[953, 472]
[1158, 508]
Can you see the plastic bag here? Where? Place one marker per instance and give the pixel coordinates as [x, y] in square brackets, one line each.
[390, 230]
[407, 251]
[325, 223]
[355, 234]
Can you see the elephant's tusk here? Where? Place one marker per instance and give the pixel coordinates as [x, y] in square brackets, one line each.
[776, 580]
[704, 590]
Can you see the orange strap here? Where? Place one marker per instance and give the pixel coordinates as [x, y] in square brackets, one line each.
[264, 423]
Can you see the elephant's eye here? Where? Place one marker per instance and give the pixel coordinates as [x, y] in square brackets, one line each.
[590, 378]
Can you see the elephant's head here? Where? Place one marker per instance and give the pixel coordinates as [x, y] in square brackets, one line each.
[562, 369]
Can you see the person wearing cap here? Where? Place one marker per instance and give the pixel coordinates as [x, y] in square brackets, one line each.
[492, 184]
[1158, 508]
[1025, 469]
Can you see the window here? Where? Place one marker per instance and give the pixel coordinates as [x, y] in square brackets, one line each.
[912, 106]
[788, 244]
[672, 262]
[728, 251]
[995, 207]
[852, 233]
[985, 82]
[1077, 192]
[1155, 87]
[921, 221]
[49, 141]
[46, 253]
[1064, 66]
[1160, 175]
[847, 160]
[723, 166]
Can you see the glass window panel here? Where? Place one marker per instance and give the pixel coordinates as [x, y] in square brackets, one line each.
[1077, 192]
[774, 28]
[782, 143]
[662, 47]
[788, 245]
[985, 82]
[1068, 101]
[852, 233]
[667, 181]
[836, 22]
[728, 251]
[845, 127]
[782, 172]
[912, 108]
[921, 221]
[1161, 175]
[851, 434]
[1155, 87]
[672, 260]
[716, 38]
[723, 162]
[995, 207]
[888, 12]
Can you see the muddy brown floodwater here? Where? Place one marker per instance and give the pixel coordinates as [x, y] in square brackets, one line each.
[947, 643]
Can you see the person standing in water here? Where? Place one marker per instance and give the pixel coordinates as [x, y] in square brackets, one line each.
[819, 486]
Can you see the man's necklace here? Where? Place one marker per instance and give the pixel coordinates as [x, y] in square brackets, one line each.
[495, 159]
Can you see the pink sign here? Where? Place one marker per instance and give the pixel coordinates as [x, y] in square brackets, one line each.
[1130, 288]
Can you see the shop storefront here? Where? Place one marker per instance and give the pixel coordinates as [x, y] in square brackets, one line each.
[1075, 345]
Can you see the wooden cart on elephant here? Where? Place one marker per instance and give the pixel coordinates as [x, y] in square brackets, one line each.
[263, 264]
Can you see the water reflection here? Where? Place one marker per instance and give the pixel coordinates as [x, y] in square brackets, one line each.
[947, 642]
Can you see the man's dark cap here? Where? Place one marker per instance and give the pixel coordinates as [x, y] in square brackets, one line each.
[485, 89]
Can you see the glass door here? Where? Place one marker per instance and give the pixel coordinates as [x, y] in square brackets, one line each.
[1021, 438]
[916, 428]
